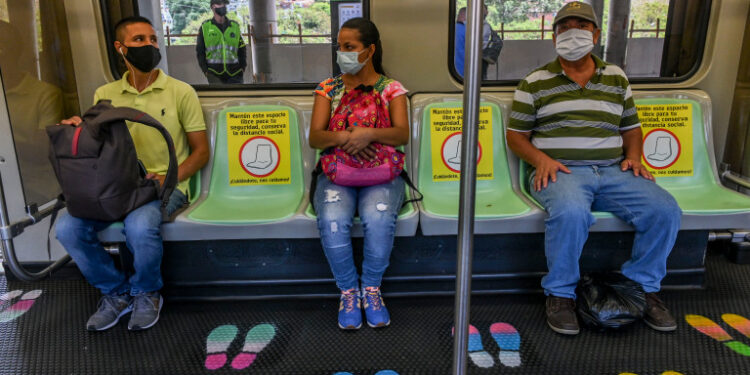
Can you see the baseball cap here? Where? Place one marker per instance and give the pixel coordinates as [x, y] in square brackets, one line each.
[219, 2]
[576, 9]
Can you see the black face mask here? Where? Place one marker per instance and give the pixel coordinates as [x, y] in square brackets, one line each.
[222, 11]
[144, 58]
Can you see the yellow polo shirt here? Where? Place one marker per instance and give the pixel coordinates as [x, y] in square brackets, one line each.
[171, 102]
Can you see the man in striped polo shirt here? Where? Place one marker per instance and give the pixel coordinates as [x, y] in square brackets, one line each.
[575, 122]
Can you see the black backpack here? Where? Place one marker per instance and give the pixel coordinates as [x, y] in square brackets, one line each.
[491, 53]
[98, 168]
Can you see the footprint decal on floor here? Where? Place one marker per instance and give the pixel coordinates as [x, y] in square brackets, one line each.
[7, 297]
[255, 341]
[478, 355]
[507, 339]
[709, 328]
[663, 373]
[21, 306]
[217, 343]
[221, 338]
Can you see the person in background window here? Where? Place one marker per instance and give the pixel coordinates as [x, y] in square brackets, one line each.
[32, 105]
[220, 48]
[360, 57]
[574, 120]
[459, 44]
[175, 105]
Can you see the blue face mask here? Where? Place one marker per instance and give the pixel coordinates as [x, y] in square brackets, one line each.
[349, 61]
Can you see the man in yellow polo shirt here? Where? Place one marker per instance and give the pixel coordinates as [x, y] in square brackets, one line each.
[175, 104]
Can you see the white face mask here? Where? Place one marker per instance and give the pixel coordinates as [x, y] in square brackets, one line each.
[574, 44]
[349, 61]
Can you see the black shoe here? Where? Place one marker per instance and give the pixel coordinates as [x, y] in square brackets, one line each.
[657, 316]
[561, 315]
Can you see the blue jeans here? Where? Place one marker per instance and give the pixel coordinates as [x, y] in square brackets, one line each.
[378, 208]
[651, 210]
[142, 230]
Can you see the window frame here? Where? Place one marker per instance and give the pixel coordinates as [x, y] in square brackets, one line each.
[701, 40]
[113, 63]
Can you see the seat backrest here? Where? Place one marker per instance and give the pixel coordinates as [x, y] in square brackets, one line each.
[677, 146]
[257, 153]
[439, 135]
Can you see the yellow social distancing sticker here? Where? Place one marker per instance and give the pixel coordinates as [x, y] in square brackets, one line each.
[258, 148]
[667, 138]
[445, 139]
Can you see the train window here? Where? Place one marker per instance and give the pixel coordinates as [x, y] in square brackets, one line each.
[268, 42]
[652, 40]
[39, 85]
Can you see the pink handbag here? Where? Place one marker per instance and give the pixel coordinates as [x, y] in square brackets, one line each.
[362, 106]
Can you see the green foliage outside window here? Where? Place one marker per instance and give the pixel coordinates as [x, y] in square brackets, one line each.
[188, 15]
[526, 15]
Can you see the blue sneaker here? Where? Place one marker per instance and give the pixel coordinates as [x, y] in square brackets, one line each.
[375, 311]
[350, 310]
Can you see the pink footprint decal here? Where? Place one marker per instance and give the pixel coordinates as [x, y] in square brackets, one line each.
[217, 343]
[477, 354]
[21, 307]
[509, 341]
[255, 341]
[7, 297]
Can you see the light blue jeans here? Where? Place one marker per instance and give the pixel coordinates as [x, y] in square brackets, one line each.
[378, 208]
[651, 210]
[142, 230]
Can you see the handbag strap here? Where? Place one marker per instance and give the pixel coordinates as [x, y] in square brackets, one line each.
[408, 182]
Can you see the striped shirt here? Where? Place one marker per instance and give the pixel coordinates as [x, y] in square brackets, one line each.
[574, 125]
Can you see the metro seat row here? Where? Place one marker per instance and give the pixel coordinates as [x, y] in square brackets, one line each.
[220, 211]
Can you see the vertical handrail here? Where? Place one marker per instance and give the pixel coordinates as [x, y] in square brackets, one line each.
[472, 86]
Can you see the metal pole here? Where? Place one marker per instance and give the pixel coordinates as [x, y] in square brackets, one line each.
[9, 252]
[472, 84]
[617, 37]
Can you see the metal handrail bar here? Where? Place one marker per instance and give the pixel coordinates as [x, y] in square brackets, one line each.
[467, 182]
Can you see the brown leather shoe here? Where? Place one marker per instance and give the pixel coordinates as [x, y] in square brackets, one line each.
[561, 315]
[657, 316]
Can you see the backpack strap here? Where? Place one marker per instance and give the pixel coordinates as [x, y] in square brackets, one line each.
[111, 114]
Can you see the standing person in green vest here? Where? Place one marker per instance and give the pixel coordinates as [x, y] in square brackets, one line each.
[220, 48]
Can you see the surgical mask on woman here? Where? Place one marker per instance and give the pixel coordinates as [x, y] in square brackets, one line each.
[574, 44]
[349, 61]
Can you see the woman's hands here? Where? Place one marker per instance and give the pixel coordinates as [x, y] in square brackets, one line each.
[357, 141]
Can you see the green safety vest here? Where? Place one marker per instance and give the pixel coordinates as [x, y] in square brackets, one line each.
[222, 48]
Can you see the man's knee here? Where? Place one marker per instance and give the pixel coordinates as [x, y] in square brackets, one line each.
[68, 229]
[571, 213]
[144, 221]
[666, 213]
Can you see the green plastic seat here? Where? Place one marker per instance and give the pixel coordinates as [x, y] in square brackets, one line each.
[250, 203]
[495, 198]
[699, 194]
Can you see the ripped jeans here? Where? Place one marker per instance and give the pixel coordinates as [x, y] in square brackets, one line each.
[378, 208]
